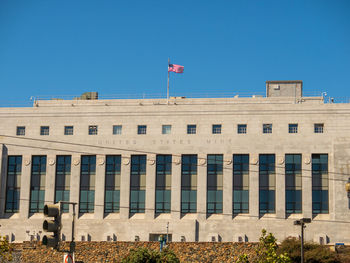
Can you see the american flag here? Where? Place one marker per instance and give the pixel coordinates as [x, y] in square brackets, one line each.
[175, 68]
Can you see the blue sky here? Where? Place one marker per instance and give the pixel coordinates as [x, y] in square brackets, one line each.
[63, 47]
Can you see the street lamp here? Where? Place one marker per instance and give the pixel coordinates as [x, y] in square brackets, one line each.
[302, 223]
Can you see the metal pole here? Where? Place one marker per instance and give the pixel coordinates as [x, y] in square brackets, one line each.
[167, 91]
[167, 232]
[72, 246]
[302, 243]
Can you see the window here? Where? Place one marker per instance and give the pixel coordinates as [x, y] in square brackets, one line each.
[214, 183]
[62, 185]
[117, 129]
[191, 129]
[44, 130]
[87, 184]
[318, 128]
[320, 183]
[13, 183]
[68, 130]
[37, 184]
[163, 184]
[293, 128]
[93, 130]
[267, 128]
[166, 129]
[141, 129]
[242, 128]
[137, 184]
[267, 183]
[240, 183]
[21, 131]
[188, 183]
[216, 129]
[112, 184]
[293, 183]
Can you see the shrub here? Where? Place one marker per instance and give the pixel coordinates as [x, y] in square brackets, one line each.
[5, 250]
[151, 256]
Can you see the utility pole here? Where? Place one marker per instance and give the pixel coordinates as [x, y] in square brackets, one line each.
[302, 223]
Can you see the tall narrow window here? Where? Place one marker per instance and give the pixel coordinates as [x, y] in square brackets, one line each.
[87, 184]
[63, 169]
[112, 184]
[13, 184]
[320, 183]
[240, 183]
[267, 183]
[214, 183]
[163, 184]
[137, 184]
[293, 183]
[37, 184]
[189, 183]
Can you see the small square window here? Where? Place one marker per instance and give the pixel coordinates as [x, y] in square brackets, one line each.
[117, 129]
[191, 129]
[93, 130]
[68, 130]
[21, 131]
[241, 128]
[216, 129]
[267, 128]
[293, 128]
[44, 130]
[166, 129]
[141, 129]
[318, 128]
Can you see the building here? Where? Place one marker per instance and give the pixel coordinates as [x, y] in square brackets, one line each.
[203, 169]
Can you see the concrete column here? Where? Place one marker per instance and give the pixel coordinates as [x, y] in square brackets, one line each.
[3, 178]
[176, 188]
[307, 185]
[125, 186]
[280, 187]
[202, 187]
[75, 182]
[254, 186]
[50, 179]
[100, 186]
[25, 187]
[227, 185]
[150, 186]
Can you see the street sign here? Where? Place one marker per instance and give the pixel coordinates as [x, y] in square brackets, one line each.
[68, 258]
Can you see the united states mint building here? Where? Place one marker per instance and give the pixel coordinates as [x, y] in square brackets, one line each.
[201, 169]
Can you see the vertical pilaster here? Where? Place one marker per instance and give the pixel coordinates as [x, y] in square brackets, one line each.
[307, 186]
[202, 186]
[75, 181]
[100, 186]
[254, 186]
[3, 178]
[25, 187]
[227, 185]
[280, 187]
[176, 188]
[125, 186]
[50, 179]
[150, 186]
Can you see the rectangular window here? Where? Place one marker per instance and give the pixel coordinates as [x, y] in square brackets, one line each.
[166, 129]
[44, 130]
[267, 128]
[93, 130]
[13, 184]
[68, 130]
[62, 184]
[141, 129]
[188, 183]
[117, 129]
[293, 128]
[37, 184]
[318, 127]
[216, 129]
[214, 183]
[242, 128]
[112, 184]
[240, 183]
[163, 184]
[267, 183]
[320, 183]
[293, 183]
[137, 184]
[87, 184]
[191, 129]
[21, 131]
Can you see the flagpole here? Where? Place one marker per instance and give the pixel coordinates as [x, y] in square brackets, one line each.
[167, 91]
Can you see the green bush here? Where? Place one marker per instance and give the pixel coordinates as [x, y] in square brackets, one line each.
[151, 256]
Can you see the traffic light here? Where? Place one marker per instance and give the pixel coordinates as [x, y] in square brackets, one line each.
[52, 225]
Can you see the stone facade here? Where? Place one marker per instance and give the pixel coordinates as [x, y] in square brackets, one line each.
[280, 111]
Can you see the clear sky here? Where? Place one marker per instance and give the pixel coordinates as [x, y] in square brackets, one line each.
[65, 47]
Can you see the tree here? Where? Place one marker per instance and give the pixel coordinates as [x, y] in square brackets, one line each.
[5, 250]
[151, 256]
